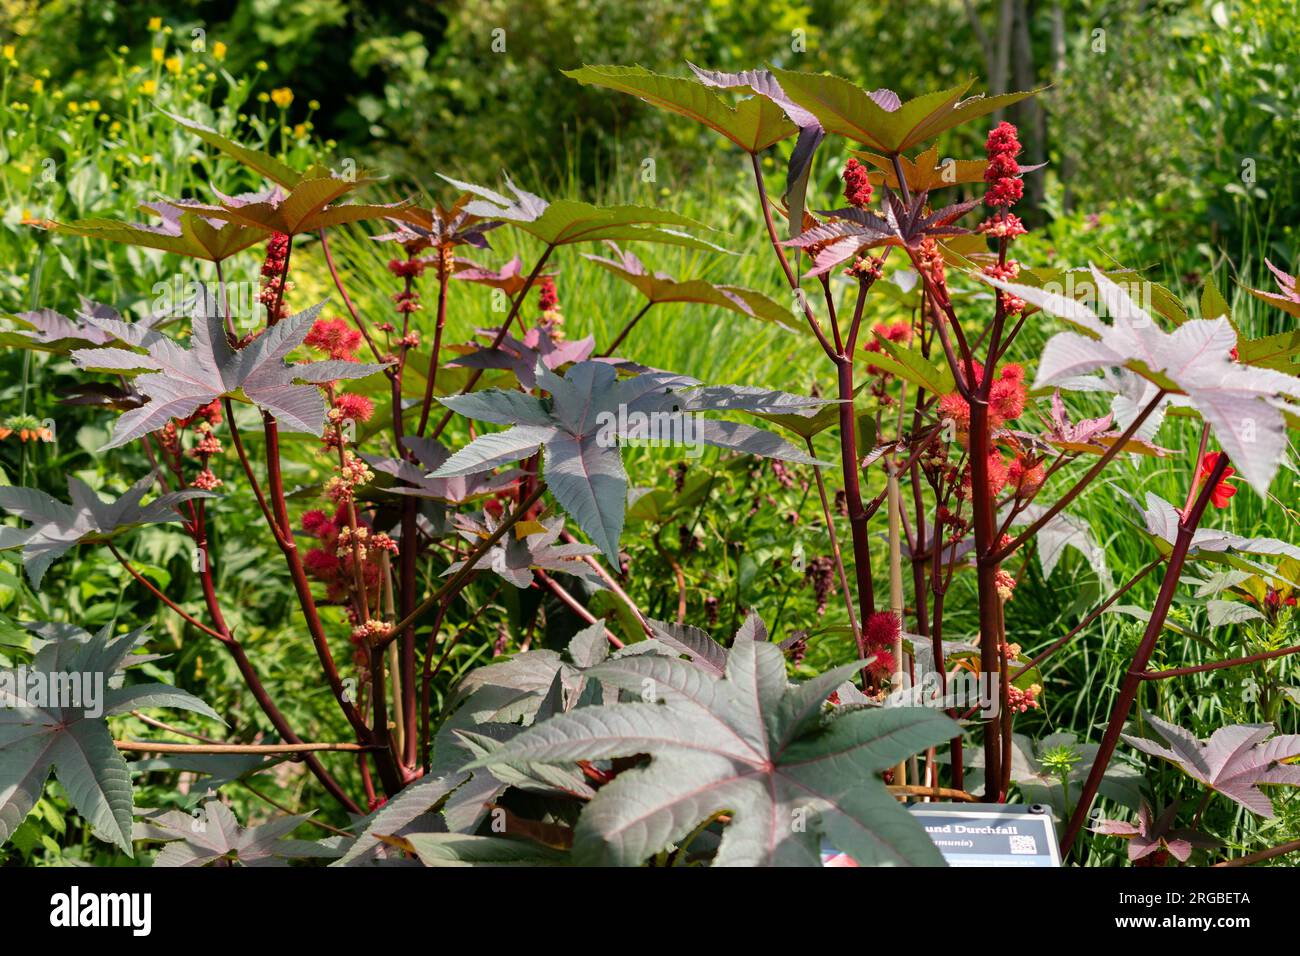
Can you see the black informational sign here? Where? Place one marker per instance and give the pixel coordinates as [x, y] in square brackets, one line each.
[969, 834]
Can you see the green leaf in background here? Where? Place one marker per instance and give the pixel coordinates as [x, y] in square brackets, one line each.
[854, 113]
[753, 124]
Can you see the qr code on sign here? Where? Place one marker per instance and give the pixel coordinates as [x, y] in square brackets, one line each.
[1023, 844]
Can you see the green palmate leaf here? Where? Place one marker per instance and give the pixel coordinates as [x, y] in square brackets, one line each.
[52, 715]
[184, 232]
[395, 817]
[255, 159]
[182, 380]
[304, 207]
[590, 413]
[57, 527]
[514, 556]
[852, 112]
[753, 124]
[214, 836]
[658, 287]
[567, 221]
[749, 744]
[454, 849]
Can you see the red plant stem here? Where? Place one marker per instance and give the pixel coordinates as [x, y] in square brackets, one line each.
[248, 471]
[1133, 679]
[572, 603]
[163, 597]
[990, 601]
[1217, 665]
[854, 629]
[249, 673]
[618, 339]
[1092, 616]
[500, 337]
[453, 584]
[611, 583]
[1082, 483]
[302, 587]
[858, 532]
[431, 378]
[1258, 857]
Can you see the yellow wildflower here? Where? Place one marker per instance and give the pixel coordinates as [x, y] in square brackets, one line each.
[155, 23]
[149, 87]
[157, 54]
[282, 97]
[173, 64]
[218, 51]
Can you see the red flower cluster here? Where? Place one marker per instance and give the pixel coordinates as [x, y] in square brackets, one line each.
[1003, 171]
[274, 282]
[1006, 398]
[857, 185]
[335, 338]
[407, 268]
[210, 413]
[879, 632]
[548, 299]
[1026, 475]
[1223, 491]
[324, 563]
[350, 406]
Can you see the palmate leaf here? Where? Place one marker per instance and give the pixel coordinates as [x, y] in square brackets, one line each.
[521, 357]
[57, 527]
[304, 207]
[37, 734]
[748, 743]
[659, 287]
[51, 331]
[1240, 403]
[215, 837]
[589, 413]
[850, 232]
[182, 231]
[515, 555]
[1161, 522]
[925, 172]
[811, 134]
[438, 227]
[181, 380]
[430, 454]
[854, 113]
[567, 221]
[510, 278]
[255, 159]
[1236, 761]
[753, 124]
[1154, 832]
